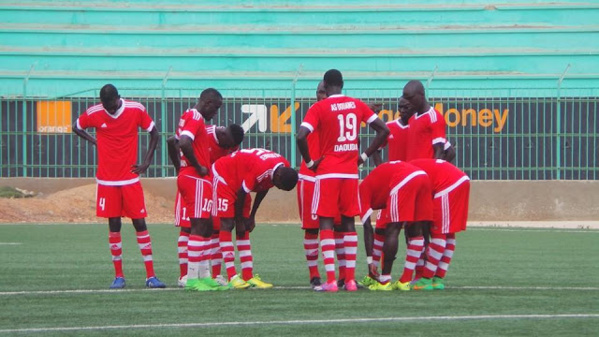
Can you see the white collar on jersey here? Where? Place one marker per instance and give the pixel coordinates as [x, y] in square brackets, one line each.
[336, 95]
[118, 112]
[272, 173]
[426, 113]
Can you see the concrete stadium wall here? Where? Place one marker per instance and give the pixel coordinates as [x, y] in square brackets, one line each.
[489, 200]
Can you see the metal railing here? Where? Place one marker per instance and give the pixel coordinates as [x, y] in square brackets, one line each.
[499, 134]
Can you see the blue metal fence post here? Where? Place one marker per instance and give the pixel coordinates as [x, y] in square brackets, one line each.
[163, 154]
[24, 154]
[293, 161]
[558, 118]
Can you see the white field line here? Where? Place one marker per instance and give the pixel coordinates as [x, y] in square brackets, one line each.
[303, 322]
[112, 291]
[10, 243]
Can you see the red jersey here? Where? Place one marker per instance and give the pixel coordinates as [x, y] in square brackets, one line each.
[193, 126]
[250, 169]
[216, 151]
[397, 140]
[376, 187]
[444, 176]
[425, 131]
[117, 140]
[337, 120]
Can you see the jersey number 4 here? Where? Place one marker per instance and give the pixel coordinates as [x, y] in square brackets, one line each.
[348, 127]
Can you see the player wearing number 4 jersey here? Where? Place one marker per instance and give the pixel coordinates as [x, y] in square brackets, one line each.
[119, 191]
[337, 121]
[195, 185]
[235, 176]
[221, 142]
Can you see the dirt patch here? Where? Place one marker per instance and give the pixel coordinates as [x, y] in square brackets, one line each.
[75, 205]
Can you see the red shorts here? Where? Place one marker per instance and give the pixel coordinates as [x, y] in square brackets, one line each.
[411, 199]
[224, 201]
[118, 201]
[382, 218]
[196, 195]
[305, 191]
[336, 195]
[181, 216]
[451, 209]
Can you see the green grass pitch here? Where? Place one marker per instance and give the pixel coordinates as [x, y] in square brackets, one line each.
[502, 282]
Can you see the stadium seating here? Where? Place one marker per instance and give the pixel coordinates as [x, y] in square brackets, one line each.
[53, 48]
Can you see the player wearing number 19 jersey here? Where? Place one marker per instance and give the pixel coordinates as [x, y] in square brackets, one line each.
[119, 191]
[337, 121]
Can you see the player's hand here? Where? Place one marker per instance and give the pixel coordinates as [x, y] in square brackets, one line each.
[360, 161]
[202, 170]
[139, 169]
[316, 163]
[373, 271]
[376, 107]
[250, 224]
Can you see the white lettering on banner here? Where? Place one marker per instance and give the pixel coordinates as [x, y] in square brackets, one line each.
[346, 147]
[54, 129]
[257, 115]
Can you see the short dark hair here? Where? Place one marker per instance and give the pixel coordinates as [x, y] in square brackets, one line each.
[237, 132]
[210, 93]
[333, 77]
[288, 177]
[108, 93]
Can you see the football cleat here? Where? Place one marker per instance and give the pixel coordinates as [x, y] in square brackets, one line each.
[221, 280]
[212, 284]
[154, 282]
[196, 285]
[438, 283]
[351, 285]
[367, 281]
[238, 283]
[423, 284]
[256, 282]
[182, 281]
[403, 286]
[377, 286]
[315, 282]
[118, 283]
[330, 287]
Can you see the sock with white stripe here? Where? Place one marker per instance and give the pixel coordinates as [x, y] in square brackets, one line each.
[327, 246]
[145, 246]
[350, 241]
[340, 252]
[116, 250]
[447, 255]
[228, 251]
[311, 252]
[182, 251]
[413, 252]
[434, 253]
[244, 248]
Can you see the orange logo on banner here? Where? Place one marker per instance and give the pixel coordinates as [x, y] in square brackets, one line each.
[54, 117]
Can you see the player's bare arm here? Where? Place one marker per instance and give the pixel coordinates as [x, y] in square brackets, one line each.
[173, 152]
[382, 131]
[302, 145]
[251, 222]
[154, 137]
[368, 245]
[439, 150]
[186, 146]
[449, 153]
[83, 134]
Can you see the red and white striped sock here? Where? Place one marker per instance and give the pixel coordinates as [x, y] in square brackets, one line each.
[434, 253]
[182, 250]
[384, 279]
[311, 252]
[116, 250]
[327, 246]
[145, 246]
[244, 248]
[340, 252]
[228, 251]
[351, 249]
[198, 265]
[377, 249]
[413, 252]
[447, 255]
[216, 256]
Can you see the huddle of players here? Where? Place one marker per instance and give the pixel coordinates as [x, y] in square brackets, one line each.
[215, 180]
[418, 190]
